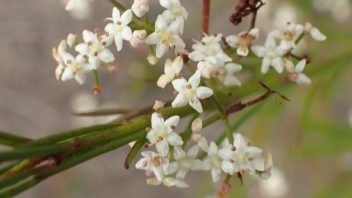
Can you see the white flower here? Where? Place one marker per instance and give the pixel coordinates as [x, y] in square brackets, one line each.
[213, 161]
[118, 28]
[79, 9]
[138, 38]
[189, 92]
[209, 50]
[297, 74]
[185, 162]
[74, 69]
[162, 133]
[140, 7]
[175, 13]
[153, 163]
[242, 41]
[226, 74]
[58, 54]
[207, 69]
[164, 37]
[289, 35]
[241, 157]
[94, 51]
[271, 54]
[171, 69]
[314, 32]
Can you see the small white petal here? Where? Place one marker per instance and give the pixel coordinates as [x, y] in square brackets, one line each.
[259, 50]
[196, 104]
[174, 139]
[193, 151]
[115, 14]
[266, 65]
[194, 80]
[203, 92]
[215, 174]
[303, 79]
[179, 84]
[300, 66]
[278, 65]
[172, 121]
[317, 35]
[161, 49]
[162, 147]
[180, 101]
[106, 56]
[126, 17]
[228, 167]
[157, 121]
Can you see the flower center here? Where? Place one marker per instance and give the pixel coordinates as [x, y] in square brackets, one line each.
[184, 163]
[189, 92]
[165, 37]
[241, 157]
[271, 53]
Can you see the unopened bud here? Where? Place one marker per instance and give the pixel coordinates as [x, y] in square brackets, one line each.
[158, 105]
[152, 59]
[197, 125]
[138, 38]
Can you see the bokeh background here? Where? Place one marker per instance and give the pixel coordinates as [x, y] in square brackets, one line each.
[310, 137]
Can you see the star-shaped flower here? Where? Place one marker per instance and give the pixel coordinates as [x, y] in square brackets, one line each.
[190, 93]
[272, 55]
[74, 69]
[185, 162]
[214, 161]
[94, 51]
[118, 28]
[242, 41]
[153, 163]
[226, 74]
[241, 157]
[162, 133]
[164, 37]
[175, 13]
[209, 50]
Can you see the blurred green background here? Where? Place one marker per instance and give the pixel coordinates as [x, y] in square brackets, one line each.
[310, 136]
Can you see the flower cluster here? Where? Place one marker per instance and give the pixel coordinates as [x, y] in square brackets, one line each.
[279, 46]
[215, 57]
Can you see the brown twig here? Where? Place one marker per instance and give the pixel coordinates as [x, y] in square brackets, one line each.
[206, 15]
[238, 106]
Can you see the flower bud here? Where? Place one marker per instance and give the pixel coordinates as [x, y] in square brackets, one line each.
[158, 105]
[138, 38]
[71, 39]
[140, 7]
[152, 59]
[197, 125]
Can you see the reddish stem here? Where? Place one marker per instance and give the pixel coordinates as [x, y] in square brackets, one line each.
[206, 14]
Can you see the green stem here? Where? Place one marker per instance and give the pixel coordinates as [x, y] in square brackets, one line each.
[12, 140]
[134, 151]
[76, 159]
